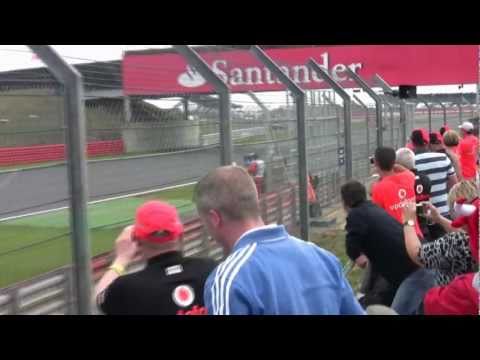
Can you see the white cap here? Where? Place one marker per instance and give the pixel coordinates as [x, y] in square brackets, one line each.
[467, 126]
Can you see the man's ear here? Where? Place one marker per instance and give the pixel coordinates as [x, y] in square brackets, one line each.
[214, 218]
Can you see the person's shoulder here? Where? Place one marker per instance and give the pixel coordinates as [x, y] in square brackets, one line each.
[361, 209]
[230, 273]
[405, 175]
[325, 256]
[319, 250]
[237, 261]
[380, 183]
[132, 279]
[429, 155]
[372, 213]
[122, 286]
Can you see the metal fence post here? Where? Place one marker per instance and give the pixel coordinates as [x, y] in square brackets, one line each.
[403, 110]
[472, 112]
[444, 109]
[347, 114]
[328, 101]
[403, 122]
[429, 108]
[77, 170]
[361, 103]
[390, 111]
[460, 113]
[223, 91]
[127, 109]
[301, 134]
[378, 103]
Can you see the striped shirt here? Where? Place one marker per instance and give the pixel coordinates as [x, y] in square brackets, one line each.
[438, 167]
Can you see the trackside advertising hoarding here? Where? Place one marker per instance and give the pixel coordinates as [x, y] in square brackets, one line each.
[169, 73]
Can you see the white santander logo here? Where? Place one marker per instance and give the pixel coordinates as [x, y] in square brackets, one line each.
[191, 78]
[261, 76]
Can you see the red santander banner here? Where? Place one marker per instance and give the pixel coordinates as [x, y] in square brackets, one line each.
[169, 73]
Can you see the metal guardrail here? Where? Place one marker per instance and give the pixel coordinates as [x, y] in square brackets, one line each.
[52, 293]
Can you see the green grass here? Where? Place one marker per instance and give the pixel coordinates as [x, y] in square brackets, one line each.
[37, 244]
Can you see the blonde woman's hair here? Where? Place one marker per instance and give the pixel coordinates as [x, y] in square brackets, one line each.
[451, 138]
[467, 190]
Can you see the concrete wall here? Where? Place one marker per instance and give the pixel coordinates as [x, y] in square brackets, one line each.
[179, 135]
[212, 139]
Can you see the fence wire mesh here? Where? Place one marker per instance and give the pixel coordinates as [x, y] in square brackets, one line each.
[147, 145]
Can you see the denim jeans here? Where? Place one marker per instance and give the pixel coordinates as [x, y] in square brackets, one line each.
[411, 292]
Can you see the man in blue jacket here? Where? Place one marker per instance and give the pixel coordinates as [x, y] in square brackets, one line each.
[267, 272]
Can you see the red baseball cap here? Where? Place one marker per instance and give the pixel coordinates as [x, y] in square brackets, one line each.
[157, 222]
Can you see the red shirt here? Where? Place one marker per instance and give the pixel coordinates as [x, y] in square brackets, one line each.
[392, 191]
[468, 154]
[457, 298]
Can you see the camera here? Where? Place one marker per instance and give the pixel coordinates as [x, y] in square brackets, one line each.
[422, 209]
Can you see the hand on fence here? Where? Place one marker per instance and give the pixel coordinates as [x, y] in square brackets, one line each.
[126, 249]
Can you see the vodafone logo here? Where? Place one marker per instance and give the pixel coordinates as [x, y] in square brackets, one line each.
[419, 189]
[183, 296]
[191, 78]
[402, 194]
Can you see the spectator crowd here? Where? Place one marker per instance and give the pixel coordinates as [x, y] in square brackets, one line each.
[414, 231]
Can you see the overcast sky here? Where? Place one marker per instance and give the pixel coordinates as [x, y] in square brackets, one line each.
[15, 57]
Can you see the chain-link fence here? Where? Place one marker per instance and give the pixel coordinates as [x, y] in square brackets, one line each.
[143, 144]
[32, 113]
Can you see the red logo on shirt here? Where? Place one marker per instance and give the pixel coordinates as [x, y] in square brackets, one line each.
[183, 296]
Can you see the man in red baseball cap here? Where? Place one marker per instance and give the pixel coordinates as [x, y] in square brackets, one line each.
[169, 284]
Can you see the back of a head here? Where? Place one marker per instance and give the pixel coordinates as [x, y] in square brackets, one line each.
[436, 138]
[444, 129]
[462, 190]
[353, 193]
[385, 158]
[229, 190]
[406, 158]
[419, 137]
[451, 138]
[467, 127]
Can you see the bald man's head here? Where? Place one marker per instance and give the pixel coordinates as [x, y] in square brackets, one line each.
[229, 190]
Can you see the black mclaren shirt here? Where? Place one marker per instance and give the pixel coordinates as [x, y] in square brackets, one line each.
[170, 284]
[373, 232]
